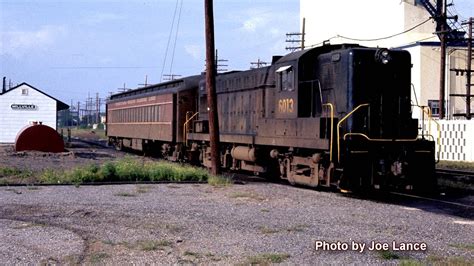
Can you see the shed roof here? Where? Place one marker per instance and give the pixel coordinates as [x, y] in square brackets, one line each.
[60, 106]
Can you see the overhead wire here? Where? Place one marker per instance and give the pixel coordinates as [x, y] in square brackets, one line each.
[375, 39]
[387, 37]
[169, 40]
[176, 37]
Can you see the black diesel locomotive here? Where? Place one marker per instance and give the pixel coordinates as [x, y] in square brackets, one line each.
[332, 115]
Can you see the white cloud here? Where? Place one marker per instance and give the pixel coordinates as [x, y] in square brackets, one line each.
[99, 18]
[195, 51]
[254, 20]
[253, 23]
[19, 42]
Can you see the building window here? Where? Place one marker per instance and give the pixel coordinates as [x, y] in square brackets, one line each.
[24, 91]
[434, 106]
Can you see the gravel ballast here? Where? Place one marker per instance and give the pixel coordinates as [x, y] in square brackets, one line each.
[198, 223]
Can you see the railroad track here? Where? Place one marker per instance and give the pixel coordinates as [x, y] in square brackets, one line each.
[456, 179]
[455, 172]
[98, 143]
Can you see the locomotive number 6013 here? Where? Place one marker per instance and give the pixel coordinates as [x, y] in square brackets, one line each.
[286, 105]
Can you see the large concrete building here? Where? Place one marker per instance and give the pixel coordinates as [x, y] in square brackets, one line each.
[23, 105]
[402, 24]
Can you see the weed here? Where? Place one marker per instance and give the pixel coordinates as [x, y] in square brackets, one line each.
[51, 176]
[9, 171]
[142, 189]
[192, 254]
[249, 195]
[150, 245]
[267, 230]
[388, 255]
[128, 169]
[297, 228]
[410, 262]
[85, 174]
[267, 258]
[125, 194]
[458, 261]
[219, 181]
[463, 246]
[160, 172]
[12, 171]
[98, 257]
[108, 171]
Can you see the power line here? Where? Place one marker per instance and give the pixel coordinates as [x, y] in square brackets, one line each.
[375, 39]
[169, 40]
[103, 67]
[388, 37]
[176, 36]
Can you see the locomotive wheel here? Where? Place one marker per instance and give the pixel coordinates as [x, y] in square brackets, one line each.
[118, 145]
[289, 176]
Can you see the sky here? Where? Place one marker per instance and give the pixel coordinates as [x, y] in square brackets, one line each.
[73, 49]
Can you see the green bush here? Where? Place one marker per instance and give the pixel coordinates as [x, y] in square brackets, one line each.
[108, 171]
[160, 171]
[13, 171]
[219, 181]
[86, 174]
[51, 176]
[129, 169]
[8, 171]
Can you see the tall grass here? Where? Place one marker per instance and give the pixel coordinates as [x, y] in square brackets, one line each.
[6, 171]
[127, 170]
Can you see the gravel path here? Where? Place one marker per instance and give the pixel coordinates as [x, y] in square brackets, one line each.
[256, 222]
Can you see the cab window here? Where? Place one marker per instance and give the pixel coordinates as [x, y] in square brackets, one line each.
[285, 76]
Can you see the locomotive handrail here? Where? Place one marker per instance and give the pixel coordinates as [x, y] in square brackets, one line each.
[438, 127]
[339, 124]
[185, 126]
[371, 139]
[331, 107]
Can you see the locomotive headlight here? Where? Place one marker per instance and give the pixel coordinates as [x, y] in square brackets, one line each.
[383, 56]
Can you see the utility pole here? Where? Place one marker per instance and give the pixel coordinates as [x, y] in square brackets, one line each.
[97, 106]
[211, 87]
[258, 64]
[78, 113]
[303, 33]
[296, 37]
[441, 27]
[219, 65]
[469, 71]
[146, 82]
[169, 77]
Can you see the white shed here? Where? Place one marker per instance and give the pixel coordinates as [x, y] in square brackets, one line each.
[23, 105]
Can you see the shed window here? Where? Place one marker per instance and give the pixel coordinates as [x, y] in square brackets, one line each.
[24, 91]
[286, 78]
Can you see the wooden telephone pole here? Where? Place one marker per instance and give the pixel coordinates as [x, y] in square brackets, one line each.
[441, 28]
[211, 87]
